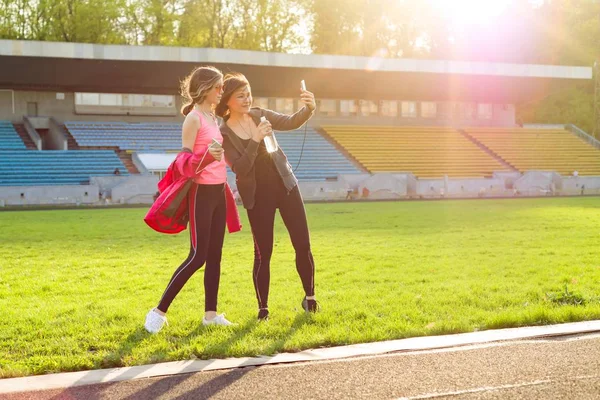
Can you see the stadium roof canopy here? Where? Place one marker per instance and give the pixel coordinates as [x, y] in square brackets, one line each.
[55, 66]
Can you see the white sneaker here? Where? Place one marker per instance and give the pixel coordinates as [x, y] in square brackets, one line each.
[218, 320]
[154, 321]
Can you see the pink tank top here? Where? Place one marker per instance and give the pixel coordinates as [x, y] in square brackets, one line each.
[216, 172]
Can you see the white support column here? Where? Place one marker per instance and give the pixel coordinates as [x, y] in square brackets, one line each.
[596, 133]
[13, 97]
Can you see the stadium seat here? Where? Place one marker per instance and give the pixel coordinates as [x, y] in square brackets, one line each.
[320, 159]
[427, 152]
[9, 138]
[135, 137]
[540, 149]
[71, 167]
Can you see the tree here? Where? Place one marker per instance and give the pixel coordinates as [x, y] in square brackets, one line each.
[89, 21]
[568, 33]
[196, 25]
[14, 18]
[383, 28]
[337, 27]
[242, 24]
[275, 23]
[154, 21]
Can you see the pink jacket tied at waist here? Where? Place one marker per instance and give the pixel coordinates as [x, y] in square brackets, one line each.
[170, 211]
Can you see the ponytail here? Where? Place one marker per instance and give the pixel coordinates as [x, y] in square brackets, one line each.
[187, 108]
[222, 110]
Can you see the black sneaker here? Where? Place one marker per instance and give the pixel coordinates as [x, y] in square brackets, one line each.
[310, 305]
[263, 314]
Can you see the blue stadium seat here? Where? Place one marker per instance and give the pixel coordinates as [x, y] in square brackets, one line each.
[135, 137]
[71, 167]
[320, 159]
[9, 138]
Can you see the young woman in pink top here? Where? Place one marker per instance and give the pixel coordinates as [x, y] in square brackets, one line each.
[202, 89]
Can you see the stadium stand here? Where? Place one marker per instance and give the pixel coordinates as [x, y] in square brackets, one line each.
[540, 149]
[137, 137]
[427, 152]
[320, 159]
[70, 167]
[9, 138]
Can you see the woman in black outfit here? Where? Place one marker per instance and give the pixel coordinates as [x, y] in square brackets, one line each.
[266, 182]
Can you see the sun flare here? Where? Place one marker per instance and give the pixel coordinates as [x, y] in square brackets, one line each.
[472, 11]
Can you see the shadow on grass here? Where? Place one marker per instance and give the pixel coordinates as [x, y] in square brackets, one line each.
[300, 320]
[112, 360]
[238, 333]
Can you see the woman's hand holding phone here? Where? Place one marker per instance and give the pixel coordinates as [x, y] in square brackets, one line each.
[307, 97]
[216, 150]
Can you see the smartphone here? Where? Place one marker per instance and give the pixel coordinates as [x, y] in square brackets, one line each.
[303, 84]
[215, 144]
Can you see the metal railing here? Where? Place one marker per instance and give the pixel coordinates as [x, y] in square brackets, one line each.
[582, 134]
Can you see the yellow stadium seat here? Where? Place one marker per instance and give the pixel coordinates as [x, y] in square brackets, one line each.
[427, 152]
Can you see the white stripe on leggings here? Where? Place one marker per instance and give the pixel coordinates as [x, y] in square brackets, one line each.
[312, 278]
[192, 232]
[257, 271]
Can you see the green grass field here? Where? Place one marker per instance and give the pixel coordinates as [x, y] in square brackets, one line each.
[75, 285]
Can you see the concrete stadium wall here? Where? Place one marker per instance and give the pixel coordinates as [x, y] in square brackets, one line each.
[388, 186]
[407, 187]
[581, 185]
[536, 183]
[106, 183]
[441, 188]
[476, 187]
[64, 110]
[54, 139]
[503, 115]
[133, 189]
[350, 187]
[353, 180]
[136, 190]
[141, 189]
[509, 178]
[539, 183]
[36, 195]
[320, 191]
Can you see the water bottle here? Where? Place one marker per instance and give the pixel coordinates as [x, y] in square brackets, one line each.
[270, 141]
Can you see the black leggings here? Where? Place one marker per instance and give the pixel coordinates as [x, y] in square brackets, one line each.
[207, 231]
[262, 218]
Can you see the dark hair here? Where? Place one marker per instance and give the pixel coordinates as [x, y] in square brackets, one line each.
[196, 85]
[232, 82]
